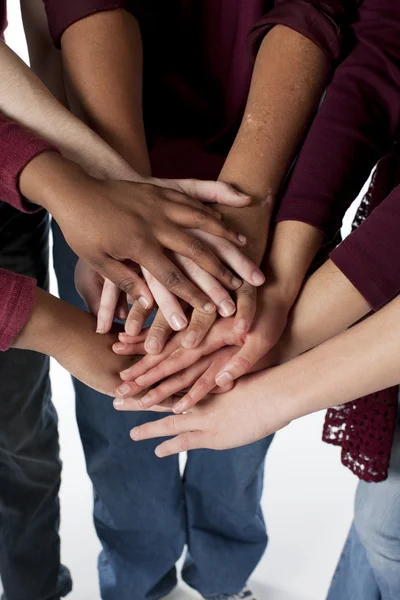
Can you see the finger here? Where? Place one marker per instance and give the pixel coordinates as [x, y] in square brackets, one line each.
[180, 359]
[198, 328]
[122, 309]
[184, 442]
[246, 299]
[124, 349]
[199, 218]
[214, 191]
[158, 335]
[169, 426]
[137, 317]
[233, 257]
[90, 292]
[192, 247]
[242, 362]
[172, 278]
[108, 303]
[127, 280]
[167, 303]
[208, 284]
[134, 405]
[205, 383]
[176, 383]
[128, 339]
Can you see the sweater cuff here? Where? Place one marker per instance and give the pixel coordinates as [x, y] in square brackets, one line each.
[307, 19]
[62, 14]
[375, 288]
[18, 147]
[18, 295]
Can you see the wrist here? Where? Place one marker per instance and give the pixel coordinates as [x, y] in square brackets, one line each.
[44, 330]
[49, 178]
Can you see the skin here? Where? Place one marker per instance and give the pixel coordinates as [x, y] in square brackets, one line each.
[357, 362]
[289, 76]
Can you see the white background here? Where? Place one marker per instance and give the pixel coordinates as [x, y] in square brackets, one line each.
[308, 496]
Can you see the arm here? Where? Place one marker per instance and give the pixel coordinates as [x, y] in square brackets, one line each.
[360, 361]
[353, 129]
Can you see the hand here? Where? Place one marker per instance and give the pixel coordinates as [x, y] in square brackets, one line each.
[251, 411]
[174, 359]
[273, 306]
[110, 222]
[68, 334]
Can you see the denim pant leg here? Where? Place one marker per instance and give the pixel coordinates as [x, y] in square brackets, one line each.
[369, 568]
[138, 499]
[226, 530]
[29, 452]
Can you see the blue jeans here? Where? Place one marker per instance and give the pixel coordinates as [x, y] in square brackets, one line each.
[29, 453]
[145, 513]
[369, 568]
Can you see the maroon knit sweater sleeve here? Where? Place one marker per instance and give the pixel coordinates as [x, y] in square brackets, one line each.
[17, 294]
[321, 21]
[353, 129]
[17, 147]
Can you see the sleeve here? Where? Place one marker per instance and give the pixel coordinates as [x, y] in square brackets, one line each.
[370, 256]
[321, 21]
[355, 126]
[18, 147]
[17, 294]
[63, 13]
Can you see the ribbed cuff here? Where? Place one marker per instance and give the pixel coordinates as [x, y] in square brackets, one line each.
[18, 147]
[18, 295]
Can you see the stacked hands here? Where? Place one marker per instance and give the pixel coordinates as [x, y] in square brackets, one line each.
[211, 326]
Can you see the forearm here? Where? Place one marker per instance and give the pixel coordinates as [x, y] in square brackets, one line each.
[109, 99]
[288, 80]
[360, 361]
[25, 99]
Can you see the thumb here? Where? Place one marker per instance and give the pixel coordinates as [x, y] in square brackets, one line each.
[240, 363]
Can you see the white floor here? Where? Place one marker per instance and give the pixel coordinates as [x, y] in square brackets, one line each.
[307, 500]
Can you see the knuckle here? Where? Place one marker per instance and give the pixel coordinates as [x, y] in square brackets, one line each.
[197, 248]
[242, 363]
[184, 442]
[200, 215]
[181, 376]
[173, 278]
[171, 423]
[126, 285]
[247, 292]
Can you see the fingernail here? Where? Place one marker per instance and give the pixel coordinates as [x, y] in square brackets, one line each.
[241, 326]
[100, 326]
[178, 322]
[158, 452]
[125, 373]
[123, 390]
[118, 402]
[224, 379]
[244, 195]
[132, 328]
[143, 302]
[180, 407]
[190, 340]
[227, 308]
[258, 278]
[145, 400]
[236, 282]
[119, 346]
[209, 307]
[242, 238]
[140, 379]
[135, 433]
[152, 346]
